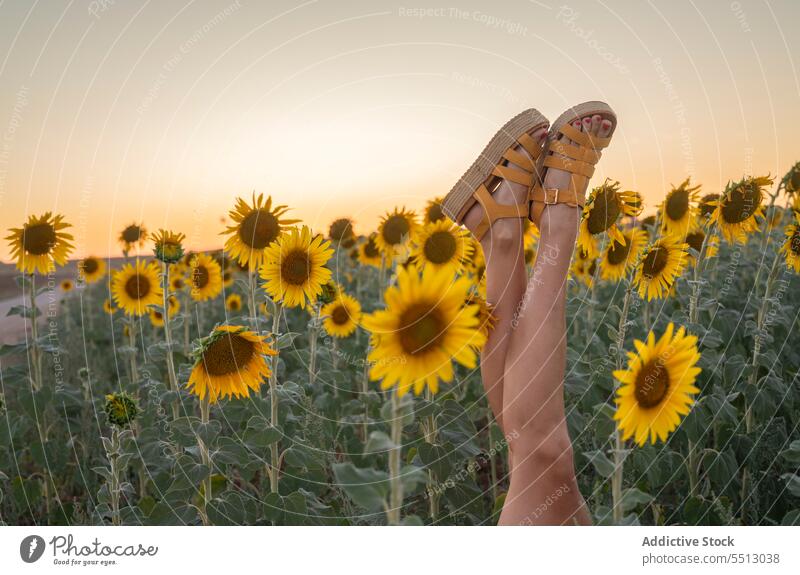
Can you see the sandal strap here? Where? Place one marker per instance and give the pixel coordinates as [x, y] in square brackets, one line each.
[513, 175]
[541, 197]
[493, 211]
[574, 167]
[520, 160]
[580, 153]
[530, 145]
[584, 139]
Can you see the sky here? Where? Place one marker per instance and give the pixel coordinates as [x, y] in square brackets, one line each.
[163, 112]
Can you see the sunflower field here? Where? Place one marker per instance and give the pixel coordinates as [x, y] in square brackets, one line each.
[323, 377]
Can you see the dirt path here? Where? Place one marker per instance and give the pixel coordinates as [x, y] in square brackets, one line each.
[13, 328]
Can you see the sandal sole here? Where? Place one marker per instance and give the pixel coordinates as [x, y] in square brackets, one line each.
[460, 198]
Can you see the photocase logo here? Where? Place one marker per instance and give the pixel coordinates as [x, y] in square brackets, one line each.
[31, 549]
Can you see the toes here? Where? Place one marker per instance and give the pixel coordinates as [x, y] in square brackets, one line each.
[596, 121]
[605, 128]
[540, 135]
[587, 125]
[577, 125]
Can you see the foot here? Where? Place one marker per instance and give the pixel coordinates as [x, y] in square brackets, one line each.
[595, 125]
[507, 193]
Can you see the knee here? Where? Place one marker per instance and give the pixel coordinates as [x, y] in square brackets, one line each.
[546, 448]
[503, 238]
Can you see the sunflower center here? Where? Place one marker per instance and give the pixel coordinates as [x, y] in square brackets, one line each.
[259, 228]
[440, 247]
[654, 262]
[794, 243]
[341, 229]
[421, 328]
[706, 207]
[158, 315]
[742, 203]
[137, 286]
[200, 277]
[340, 315]
[695, 240]
[228, 354]
[90, 265]
[234, 304]
[395, 229]
[604, 212]
[132, 234]
[651, 385]
[296, 267]
[370, 249]
[677, 205]
[618, 253]
[435, 212]
[38, 239]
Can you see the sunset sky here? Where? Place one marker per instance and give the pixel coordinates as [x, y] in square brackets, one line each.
[164, 112]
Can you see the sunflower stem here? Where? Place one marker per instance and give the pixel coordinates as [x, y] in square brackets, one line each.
[431, 432]
[312, 346]
[251, 298]
[36, 358]
[274, 467]
[395, 480]
[186, 321]
[173, 380]
[132, 343]
[619, 454]
[205, 409]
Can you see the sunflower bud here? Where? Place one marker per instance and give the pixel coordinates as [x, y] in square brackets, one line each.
[168, 246]
[120, 409]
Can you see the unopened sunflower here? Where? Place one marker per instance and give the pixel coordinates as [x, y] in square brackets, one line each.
[135, 287]
[658, 386]
[40, 244]
[230, 362]
[205, 278]
[738, 209]
[433, 211]
[341, 230]
[294, 267]
[619, 257]
[91, 269]
[603, 208]
[368, 252]
[132, 236]
[168, 246]
[233, 302]
[679, 209]
[661, 264]
[121, 409]
[442, 246]
[791, 181]
[424, 328]
[257, 226]
[342, 316]
[791, 246]
[396, 231]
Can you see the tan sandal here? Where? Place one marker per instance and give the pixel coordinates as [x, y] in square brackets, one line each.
[487, 172]
[579, 158]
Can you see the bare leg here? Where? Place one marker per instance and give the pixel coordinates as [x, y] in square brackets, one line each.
[543, 487]
[505, 282]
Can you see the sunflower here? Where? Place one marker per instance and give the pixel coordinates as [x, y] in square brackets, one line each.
[330, 291]
[341, 230]
[91, 269]
[177, 282]
[368, 252]
[443, 246]
[396, 231]
[229, 362]
[660, 265]
[205, 278]
[40, 244]
[173, 305]
[294, 267]
[121, 409]
[619, 257]
[707, 205]
[791, 181]
[424, 327]
[658, 385]
[791, 246]
[227, 279]
[233, 302]
[156, 317]
[433, 211]
[530, 234]
[342, 316]
[108, 307]
[738, 209]
[168, 246]
[583, 267]
[135, 287]
[133, 235]
[66, 286]
[485, 313]
[678, 210]
[601, 212]
[257, 226]
[695, 241]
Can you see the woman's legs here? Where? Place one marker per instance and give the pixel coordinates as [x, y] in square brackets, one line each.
[543, 488]
[505, 281]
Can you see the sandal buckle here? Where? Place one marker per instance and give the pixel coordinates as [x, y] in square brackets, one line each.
[547, 192]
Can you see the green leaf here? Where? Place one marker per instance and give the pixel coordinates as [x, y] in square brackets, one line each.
[601, 462]
[368, 488]
[437, 458]
[792, 483]
[633, 498]
[792, 455]
[379, 442]
[791, 518]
